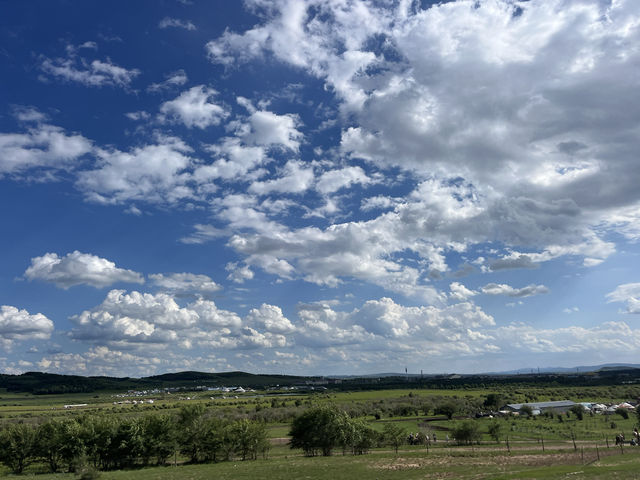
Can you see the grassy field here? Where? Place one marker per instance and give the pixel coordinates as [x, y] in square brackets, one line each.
[484, 462]
[529, 448]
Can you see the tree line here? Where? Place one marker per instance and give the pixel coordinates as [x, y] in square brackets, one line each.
[108, 442]
[322, 429]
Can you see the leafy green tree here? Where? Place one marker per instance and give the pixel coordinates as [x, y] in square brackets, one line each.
[50, 440]
[250, 438]
[215, 440]
[97, 433]
[356, 436]
[126, 443]
[18, 446]
[227, 441]
[317, 430]
[526, 410]
[494, 401]
[394, 435]
[159, 438]
[578, 411]
[495, 431]
[73, 447]
[467, 433]
[190, 430]
[448, 408]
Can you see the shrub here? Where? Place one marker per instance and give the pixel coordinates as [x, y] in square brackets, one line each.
[623, 412]
[467, 433]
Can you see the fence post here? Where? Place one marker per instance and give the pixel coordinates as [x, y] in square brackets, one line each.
[542, 440]
[597, 452]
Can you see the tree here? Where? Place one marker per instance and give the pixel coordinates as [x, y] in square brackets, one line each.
[467, 433]
[127, 443]
[526, 410]
[159, 438]
[97, 433]
[494, 401]
[73, 448]
[49, 443]
[250, 438]
[623, 412]
[448, 408]
[317, 430]
[190, 430]
[578, 411]
[394, 435]
[17, 446]
[214, 437]
[495, 431]
[356, 436]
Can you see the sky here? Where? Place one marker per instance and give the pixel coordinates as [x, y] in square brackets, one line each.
[318, 187]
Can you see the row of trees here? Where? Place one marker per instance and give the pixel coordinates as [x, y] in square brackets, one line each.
[109, 442]
[322, 429]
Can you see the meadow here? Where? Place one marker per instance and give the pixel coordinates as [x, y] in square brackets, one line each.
[544, 446]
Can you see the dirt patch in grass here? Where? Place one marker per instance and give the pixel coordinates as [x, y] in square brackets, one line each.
[442, 461]
[279, 441]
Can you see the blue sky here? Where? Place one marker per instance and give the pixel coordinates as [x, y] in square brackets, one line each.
[318, 187]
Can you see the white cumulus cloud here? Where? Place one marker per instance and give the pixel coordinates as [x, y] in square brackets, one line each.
[43, 146]
[185, 283]
[18, 325]
[194, 108]
[77, 268]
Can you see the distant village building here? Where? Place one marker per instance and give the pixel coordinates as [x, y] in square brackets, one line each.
[560, 406]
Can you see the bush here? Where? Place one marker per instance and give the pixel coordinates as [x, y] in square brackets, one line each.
[466, 433]
[623, 412]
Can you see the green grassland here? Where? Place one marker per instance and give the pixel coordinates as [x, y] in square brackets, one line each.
[558, 446]
[440, 463]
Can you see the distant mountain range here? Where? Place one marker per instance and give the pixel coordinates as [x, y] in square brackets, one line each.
[45, 383]
[520, 371]
[49, 383]
[581, 369]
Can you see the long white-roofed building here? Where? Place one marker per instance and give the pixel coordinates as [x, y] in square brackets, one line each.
[558, 406]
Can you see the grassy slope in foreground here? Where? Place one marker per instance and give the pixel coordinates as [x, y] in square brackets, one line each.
[407, 465]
